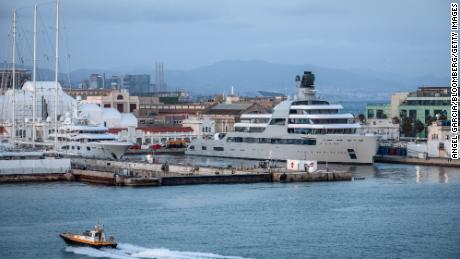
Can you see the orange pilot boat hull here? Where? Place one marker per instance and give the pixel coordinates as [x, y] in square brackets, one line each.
[72, 239]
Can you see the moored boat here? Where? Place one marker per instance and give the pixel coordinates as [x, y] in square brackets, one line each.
[93, 238]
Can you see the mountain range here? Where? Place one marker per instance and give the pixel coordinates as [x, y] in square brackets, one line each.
[250, 76]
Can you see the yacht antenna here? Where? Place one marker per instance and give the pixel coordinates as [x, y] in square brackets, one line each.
[34, 106]
[13, 128]
[56, 78]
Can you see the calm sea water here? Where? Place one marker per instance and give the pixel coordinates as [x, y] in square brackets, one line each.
[397, 211]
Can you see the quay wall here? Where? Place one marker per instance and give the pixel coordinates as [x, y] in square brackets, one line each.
[417, 161]
[153, 170]
[216, 179]
[311, 177]
[34, 166]
[109, 178]
[27, 178]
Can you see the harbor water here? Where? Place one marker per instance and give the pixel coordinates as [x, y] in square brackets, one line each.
[396, 211]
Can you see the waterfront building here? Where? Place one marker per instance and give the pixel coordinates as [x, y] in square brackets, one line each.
[120, 100]
[438, 141]
[422, 105]
[385, 128]
[85, 92]
[425, 103]
[166, 108]
[203, 126]
[378, 111]
[153, 135]
[437, 144]
[226, 115]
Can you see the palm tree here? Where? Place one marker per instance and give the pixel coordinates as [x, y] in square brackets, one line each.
[419, 127]
[406, 126]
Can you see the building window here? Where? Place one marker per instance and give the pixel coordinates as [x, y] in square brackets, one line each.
[218, 149]
[120, 97]
[203, 148]
[413, 114]
[132, 107]
[441, 146]
[403, 113]
[120, 107]
[370, 114]
[107, 105]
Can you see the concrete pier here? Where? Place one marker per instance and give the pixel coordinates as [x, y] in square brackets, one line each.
[417, 161]
[34, 170]
[109, 178]
[319, 176]
[28, 178]
[124, 173]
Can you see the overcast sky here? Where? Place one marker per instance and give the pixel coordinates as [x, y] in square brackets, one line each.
[407, 37]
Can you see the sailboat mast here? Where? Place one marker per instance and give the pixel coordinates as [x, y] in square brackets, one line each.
[34, 105]
[56, 77]
[13, 128]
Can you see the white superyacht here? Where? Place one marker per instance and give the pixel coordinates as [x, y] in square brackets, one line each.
[81, 139]
[307, 128]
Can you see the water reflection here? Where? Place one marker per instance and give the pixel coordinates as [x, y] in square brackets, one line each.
[443, 176]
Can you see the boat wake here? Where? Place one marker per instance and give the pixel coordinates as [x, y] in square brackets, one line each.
[128, 251]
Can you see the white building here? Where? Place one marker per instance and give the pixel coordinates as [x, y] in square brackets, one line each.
[203, 126]
[437, 144]
[384, 128]
[153, 135]
[192, 128]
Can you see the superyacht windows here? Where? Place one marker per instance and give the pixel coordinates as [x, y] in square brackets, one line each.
[314, 111]
[299, 121]
[203, 148]
[256, 129]
[218, 149]
[281, 122]
[321, 131]
[277, 141]
[311, 102]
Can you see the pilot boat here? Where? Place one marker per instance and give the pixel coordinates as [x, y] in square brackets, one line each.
[93, 238]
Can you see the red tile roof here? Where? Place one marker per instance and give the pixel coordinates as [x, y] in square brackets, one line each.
[154, 129]
[166, 129]
[116, 130]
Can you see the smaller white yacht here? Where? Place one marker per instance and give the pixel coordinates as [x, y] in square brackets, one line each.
[81, 139]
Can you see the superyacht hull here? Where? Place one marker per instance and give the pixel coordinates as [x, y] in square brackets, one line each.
[350, 149]
[100, 150]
